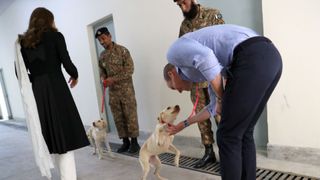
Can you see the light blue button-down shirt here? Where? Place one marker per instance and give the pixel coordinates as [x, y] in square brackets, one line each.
[201, 55]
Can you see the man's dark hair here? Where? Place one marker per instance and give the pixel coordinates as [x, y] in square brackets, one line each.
[194, 10]
[166, 69]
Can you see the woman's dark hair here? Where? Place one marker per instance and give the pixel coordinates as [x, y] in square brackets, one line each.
[41, 20]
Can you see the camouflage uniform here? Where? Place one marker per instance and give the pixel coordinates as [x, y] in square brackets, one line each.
[117, 63]
[205, 17]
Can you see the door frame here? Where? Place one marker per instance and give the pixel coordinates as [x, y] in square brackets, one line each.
[94, 61]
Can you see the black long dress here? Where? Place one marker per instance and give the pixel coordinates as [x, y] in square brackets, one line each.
[60, 121]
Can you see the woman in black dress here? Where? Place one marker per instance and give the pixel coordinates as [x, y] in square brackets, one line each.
[43, 49]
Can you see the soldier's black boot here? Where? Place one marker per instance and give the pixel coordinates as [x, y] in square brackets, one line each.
[125, 146]
[134, 146]
[209, 157]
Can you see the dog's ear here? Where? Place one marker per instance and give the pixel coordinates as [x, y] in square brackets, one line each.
[104, 124]
[160, 117]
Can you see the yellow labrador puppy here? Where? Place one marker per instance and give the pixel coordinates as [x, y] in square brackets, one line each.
[159, 142]
[97, 135]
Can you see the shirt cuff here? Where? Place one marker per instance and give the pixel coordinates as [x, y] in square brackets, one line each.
[212, 107]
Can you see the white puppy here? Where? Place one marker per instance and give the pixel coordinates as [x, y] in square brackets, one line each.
[97, 135]
[159, 142]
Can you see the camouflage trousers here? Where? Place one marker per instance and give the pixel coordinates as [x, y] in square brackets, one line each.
[123, 106]
[204, 126]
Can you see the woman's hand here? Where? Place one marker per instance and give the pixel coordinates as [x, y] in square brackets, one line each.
[73, 82]
[174, 129]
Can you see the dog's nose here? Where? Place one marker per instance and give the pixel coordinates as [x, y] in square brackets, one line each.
[94, 124]
[177, 107]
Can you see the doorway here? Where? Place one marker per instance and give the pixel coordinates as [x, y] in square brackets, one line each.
[96, 49]
[5, 111]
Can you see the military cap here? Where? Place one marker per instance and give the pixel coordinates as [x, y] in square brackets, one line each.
[101, 31]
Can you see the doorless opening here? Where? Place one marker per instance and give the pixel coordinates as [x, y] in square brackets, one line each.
[5, 111]
[95, 50]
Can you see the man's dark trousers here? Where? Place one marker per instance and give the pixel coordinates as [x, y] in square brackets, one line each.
[252, 77]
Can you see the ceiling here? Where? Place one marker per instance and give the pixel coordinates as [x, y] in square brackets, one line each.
[4, 4]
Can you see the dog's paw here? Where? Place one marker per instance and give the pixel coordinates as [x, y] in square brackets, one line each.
[176, 163]
[111, 155]
[100, 157]
[162, 178]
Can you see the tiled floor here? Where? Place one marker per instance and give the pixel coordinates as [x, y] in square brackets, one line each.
[16, 162]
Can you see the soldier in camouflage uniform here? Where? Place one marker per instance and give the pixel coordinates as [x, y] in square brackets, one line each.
[197, 17]
[116, 69]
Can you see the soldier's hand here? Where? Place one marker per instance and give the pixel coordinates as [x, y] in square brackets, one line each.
[108, 82]
[73, 82]
[104, 82]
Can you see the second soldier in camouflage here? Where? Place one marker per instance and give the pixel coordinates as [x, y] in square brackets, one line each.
[197, 17]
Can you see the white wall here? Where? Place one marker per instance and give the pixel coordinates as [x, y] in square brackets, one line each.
[3, 110]
[293, 110]
[245, 12]
[148, 27]
[7, 64]
[145, 27]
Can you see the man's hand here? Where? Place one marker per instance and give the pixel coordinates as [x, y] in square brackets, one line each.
[72, 82]
[174, 129]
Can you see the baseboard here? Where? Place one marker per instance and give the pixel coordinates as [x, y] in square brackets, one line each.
[294, 154]
[20, 119]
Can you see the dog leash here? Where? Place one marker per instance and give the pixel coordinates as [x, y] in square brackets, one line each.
[102, 99]
[193, 112]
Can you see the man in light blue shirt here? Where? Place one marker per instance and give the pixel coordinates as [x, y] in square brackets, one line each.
[252, 67]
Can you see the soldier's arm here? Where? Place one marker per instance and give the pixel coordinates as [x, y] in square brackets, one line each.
[184, 28]
[181, 32]
[102, 71]
[127, 68]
